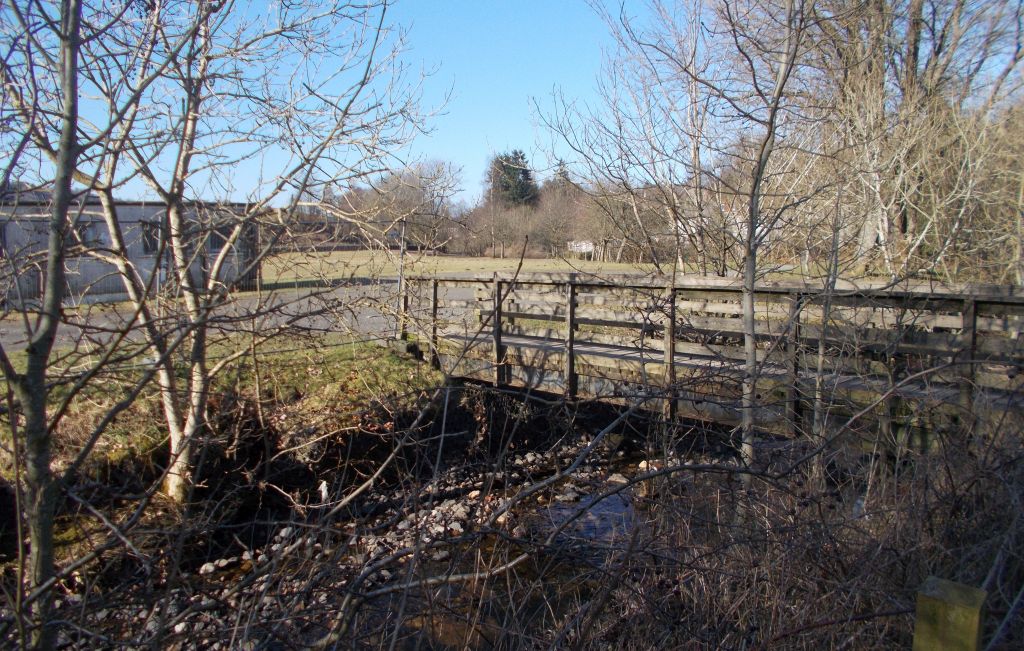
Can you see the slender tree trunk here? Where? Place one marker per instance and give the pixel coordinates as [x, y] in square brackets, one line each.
[138, 293]
[749, 351]
[182, 434]
[754, 225]
[40, 488]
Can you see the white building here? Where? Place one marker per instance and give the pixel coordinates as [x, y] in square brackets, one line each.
[24, 230]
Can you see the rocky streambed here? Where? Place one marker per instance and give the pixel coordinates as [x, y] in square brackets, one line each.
[486, 545]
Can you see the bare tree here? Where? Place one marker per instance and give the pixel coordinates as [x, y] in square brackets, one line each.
[646, 150]
[61, 33]
[189, 94]
[700, 72]
[198, 101]
[916, 90]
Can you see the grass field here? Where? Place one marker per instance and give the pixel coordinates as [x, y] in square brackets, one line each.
[289, 267]
[331, 375]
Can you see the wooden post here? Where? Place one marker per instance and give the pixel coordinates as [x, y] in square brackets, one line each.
[435, 356]
[793, 410]
[965, 358]
[949, 616]
[403, 312]
[670, 352]
[499, 353]
[571, 380]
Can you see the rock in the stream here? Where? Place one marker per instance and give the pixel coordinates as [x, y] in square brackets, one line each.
[568, 495]
[648, 466]
[207, 568]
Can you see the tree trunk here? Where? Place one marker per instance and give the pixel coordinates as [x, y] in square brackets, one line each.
[749, 353]
[754, 225]
[40, 488]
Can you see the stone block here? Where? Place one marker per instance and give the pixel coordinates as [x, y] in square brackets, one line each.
[949, 616]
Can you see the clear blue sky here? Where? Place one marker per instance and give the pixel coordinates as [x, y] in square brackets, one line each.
[495, 56]
[492, 60]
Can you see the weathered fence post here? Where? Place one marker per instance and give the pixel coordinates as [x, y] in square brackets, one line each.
[435, 355]
[670, 351]
[948, 617]
[793, 409]
[499, 353]
[965, 358]
[403, 310]
[571, 379]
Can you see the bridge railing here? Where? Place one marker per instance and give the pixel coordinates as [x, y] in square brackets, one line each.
[686, 332]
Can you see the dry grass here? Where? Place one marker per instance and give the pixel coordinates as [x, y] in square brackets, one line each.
[288, 267]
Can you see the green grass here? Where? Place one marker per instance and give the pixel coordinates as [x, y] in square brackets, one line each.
[335, 373]
[301, 379]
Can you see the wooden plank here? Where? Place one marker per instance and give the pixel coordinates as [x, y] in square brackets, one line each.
[930, 303]
[875, 339]
[1009, 324]
[1011, 297]
[999, 309]
[623, 321]
[728, 327]
[689, 303]
[459, 304]
[855, 339]
[1007, 379]
[997, 348]
[540, 332]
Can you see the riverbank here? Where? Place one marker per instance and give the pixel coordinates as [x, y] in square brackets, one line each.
[363, 503]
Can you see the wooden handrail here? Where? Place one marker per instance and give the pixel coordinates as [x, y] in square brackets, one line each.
[866, 327]
[921, 291]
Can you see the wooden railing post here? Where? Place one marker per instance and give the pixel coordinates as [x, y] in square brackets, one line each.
[403, 310]
[499, 353]
[949, 616]
[670, 352]
[966, 356]
[793, 410]
[571, 380]
[435, 356]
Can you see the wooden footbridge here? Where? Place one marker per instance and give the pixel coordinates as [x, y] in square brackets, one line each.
[909, 356]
